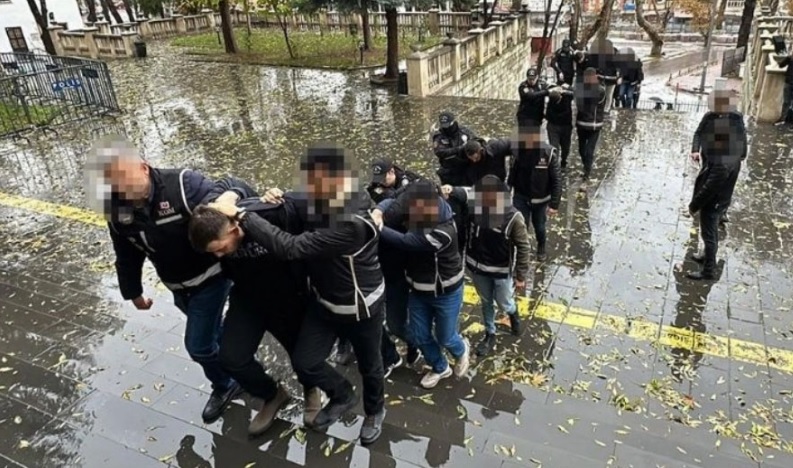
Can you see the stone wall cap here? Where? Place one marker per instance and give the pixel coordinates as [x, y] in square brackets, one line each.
[129, 33]
[88, 29]
[452, 41]
[476, 31]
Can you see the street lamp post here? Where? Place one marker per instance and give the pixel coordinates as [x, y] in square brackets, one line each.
[708, 46]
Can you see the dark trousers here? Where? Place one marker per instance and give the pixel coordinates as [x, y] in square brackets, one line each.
[203, 307]
[626, 95]
[248, 318]
[709, 230]
[536, 214]
[560, 136]
[317, 336]
[787, 114]
[396, 318]
[587, 141]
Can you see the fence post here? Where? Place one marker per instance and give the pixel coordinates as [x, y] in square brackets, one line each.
[181, 27]
[143, 28]
[103, 27]
[55, 30]
[418, 74]
[454, 44]
[323, 21]
[434, 21]
[129, 48]
[480, 45]
[210, 17]
[90, 42]
[499, 25]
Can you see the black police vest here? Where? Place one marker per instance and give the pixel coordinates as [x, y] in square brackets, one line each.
[490, 251]
[439, 271]
[160, 230]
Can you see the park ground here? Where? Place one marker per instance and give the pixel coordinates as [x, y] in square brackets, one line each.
[624, 362]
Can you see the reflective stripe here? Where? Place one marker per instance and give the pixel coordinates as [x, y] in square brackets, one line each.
[211, 271]
[537, 201]
[352, 309]
[486, 268]
[590, 124]
[435, 242]
[184, 195]
[169, 219]
[431, 287]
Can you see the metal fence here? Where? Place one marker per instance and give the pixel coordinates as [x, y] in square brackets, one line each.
[38, 90]
[732, 60]
[656, 104]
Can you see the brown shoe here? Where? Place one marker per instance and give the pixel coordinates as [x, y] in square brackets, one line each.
[265, 418]
[312, 405]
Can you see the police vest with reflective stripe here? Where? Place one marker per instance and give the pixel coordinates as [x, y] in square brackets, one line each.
[490, 251]
[160, 230]
[440, 271]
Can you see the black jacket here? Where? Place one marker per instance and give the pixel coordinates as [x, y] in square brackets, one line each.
[448, 148]
[158, 231]
[563, 62]
[497, 251]
[536, 173]
[721, 138]
[378, 192]
[531, 109]
[560, 111]
[343, 266]
[590, 101]
[493, 162]
[255, 270]
[633, 72]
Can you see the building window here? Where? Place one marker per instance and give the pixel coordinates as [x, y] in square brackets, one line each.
[17, 40]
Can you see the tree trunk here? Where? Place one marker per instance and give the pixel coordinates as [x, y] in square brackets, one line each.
[605, 25]
[392, 34]
[225, 26]
[575, 20]
[91, 10]
[720, 16]
[774, 6]
[130, 10]
[105, 11]
[367, 30]
[746, 23]
[655, 37]
[285, 29]
[41, 20]
[592, 29]
[111, 7]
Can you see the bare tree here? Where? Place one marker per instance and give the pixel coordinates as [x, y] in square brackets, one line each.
[600, 22]
[225, 26]
[575, 20]
[40, 15]
[746, 23]
[392, 34]
[129, 7]
[652, 31]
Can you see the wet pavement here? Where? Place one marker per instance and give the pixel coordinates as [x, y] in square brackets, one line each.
[624, 362]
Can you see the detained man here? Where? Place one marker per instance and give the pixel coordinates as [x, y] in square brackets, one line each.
[148, 211]
[339, 247]
[269, 295]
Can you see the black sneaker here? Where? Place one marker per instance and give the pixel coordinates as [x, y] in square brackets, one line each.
[218, 401]
[514, 324]
[541, 256]
[390, 367]
[333, 411]
[372, 428]
[486, 346]
[413, 356]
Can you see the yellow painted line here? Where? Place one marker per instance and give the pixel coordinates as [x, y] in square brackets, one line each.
[638, 329]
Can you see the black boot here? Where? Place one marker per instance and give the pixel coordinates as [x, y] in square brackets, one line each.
[486, 345]
[701, 275]
[218, 401]
[541, 256]
[514, 323]
[334, 410]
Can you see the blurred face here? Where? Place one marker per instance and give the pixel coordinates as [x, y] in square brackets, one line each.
[227, 243]
[322, 184]
[591, 79]
[129, 177]
[531, 139]
[424, 212]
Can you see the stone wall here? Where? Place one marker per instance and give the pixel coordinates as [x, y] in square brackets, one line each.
[498, 79]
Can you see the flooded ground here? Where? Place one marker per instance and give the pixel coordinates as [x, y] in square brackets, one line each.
[624, 362]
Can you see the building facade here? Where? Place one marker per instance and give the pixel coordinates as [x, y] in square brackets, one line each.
[19, 31]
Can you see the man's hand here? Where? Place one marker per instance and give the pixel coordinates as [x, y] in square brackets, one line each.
[446, 190]
[142, 303]
[377, 217]
[273, 195]
[520, 285]
[226, 208]
[229, 196]
[695, 157]
[551, 211]
[692, 212]
[561, 76]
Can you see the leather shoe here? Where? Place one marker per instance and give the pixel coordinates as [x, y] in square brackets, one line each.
[266, 416]
[372, 428]
[312, 405]
[701, 275]
[333, 411]
[218, 402]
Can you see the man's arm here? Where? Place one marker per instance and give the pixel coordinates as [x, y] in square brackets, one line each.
[411, 241]
[230, 184]
[555, 62]
[129, 266]
[741, 131]
[696, 144]
[199, 190]
[318, 244]
[527, 93]
[519, 236]
[554, 170]
[445, 152]
[717, 174]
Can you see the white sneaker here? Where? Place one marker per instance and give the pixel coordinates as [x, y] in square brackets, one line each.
[431, 379]
[461, 366]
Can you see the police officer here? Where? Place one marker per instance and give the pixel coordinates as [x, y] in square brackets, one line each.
[536, 183]
[563, 63]
[447, 144]
[388, 180]
[268, 295]
[148, 212]
[532, 92]
[559, 114]
[339, 246]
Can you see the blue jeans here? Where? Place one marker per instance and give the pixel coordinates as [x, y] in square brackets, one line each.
[626, 95]
[536, 214]
[203, 307]
[443, 312]
[494, 289]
